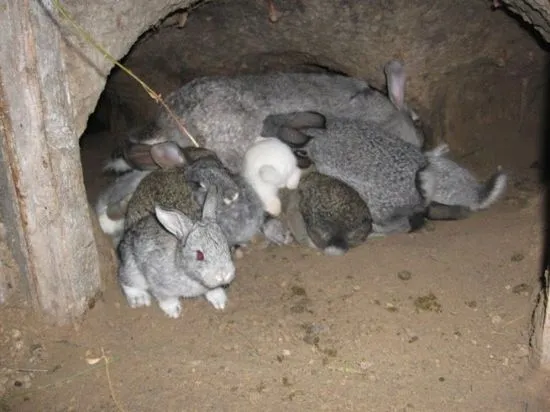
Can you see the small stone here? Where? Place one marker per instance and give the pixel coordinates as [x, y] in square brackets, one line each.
[517, 257]
[523, 351]
[16, 334]
[496, 319]
[364, 365]
[522, 289]
[404, 275]
[286, 352]
[239, 254]
[471, 304]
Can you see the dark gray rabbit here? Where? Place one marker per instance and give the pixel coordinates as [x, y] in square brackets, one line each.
[388, 173]
[323, 213]
[189, 173]
[226, 114]
[168, 255]
[458, 188]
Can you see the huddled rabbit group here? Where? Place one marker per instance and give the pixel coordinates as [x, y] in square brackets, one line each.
[321, 159]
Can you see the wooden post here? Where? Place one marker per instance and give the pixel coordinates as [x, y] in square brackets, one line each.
[44, 206]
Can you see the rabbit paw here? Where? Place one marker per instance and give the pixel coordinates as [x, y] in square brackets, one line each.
[136, 297]
[171, 306]
[273, 206]
[217, 298]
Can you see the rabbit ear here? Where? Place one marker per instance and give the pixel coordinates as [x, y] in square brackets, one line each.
[167, 155]
[293, 137]
[174, 222]
[305, 120]
[138, 155]
[210, 203]
[395, 79]
[294, 120]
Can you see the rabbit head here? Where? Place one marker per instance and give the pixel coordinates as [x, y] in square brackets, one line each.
[206, 169]
[202, 251]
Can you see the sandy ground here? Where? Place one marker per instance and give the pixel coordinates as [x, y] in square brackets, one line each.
[432, 321]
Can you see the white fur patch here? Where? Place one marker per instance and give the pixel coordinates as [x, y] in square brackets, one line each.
[109, 226]
[427, 184]
[117, 165]
[438, 151]
[499, 187]
[334, 251]
[171, 307]
[217, 298]
[136, 297]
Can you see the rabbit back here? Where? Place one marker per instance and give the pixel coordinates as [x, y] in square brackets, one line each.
[226, 113]
[335, 216]
[168, 188]
[379, 166]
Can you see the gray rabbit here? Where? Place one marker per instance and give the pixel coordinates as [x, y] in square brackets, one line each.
[389, 174]
[323, 213]
[182, 185]
[457, 188]
[226, 114]
[168, 255]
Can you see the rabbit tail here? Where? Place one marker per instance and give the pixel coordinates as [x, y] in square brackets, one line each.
[492, 189]
[336, 246]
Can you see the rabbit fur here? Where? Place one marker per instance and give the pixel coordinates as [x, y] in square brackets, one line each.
[323, 213]
[112, 203]
[183, 185]
[389, 174]
[457, 186]
[270, 165]
[168, 255]
[226, 114]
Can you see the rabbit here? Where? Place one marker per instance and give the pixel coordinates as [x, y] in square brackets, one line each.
[168, 255]
[112, 203]
[270, 165]
[323, 213]
[226, 114]
[458, 188]
[389, 174]
[183, 187]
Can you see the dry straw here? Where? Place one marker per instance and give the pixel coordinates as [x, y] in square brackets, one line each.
[154, 95]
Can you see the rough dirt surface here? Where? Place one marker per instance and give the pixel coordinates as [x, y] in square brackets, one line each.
[432, 321]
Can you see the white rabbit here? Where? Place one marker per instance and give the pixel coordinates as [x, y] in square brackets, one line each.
[270, 165]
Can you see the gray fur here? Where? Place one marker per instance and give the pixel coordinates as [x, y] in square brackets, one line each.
[325, 213]
[226, 114]
[388, 173]
[239, 211]
[457, 186]
[161, 256]
[169, 189]
[113, 201]
[241, 219]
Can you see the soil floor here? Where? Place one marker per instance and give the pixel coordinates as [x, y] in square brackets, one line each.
[431, 321]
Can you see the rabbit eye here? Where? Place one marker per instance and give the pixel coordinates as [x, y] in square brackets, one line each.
[200, 255]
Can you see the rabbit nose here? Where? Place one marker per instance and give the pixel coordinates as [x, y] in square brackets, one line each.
[226, 277]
